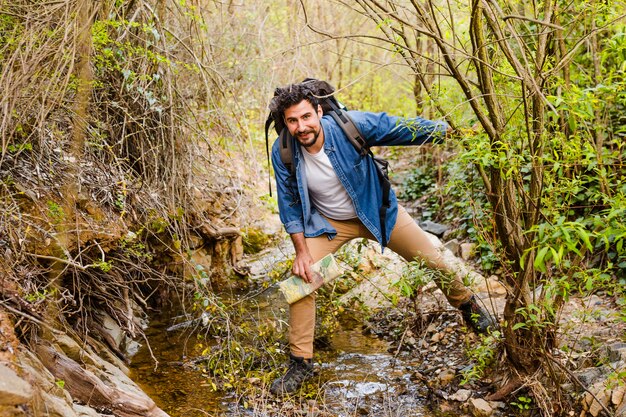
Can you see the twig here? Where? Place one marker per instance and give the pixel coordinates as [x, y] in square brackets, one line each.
[30, 317]
[578, 381]
[63, 261]
[541, 22]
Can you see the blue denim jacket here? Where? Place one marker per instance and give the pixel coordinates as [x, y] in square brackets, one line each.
[357, 173]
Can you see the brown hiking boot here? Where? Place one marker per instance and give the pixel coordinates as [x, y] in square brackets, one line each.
[300, 370]
[476, 317]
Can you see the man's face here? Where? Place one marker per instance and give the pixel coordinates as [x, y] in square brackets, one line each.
[303, 122]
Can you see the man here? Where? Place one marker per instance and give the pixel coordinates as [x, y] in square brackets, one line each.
[335, 196]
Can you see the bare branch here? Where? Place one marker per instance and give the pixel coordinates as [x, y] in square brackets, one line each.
[530, 19]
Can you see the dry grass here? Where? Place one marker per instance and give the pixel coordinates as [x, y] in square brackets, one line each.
[97, 159]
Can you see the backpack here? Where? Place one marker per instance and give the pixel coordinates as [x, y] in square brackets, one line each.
[323, 91]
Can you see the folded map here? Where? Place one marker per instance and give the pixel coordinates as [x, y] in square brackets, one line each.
[295, 288]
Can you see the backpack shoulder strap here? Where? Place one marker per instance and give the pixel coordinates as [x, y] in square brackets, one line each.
[346, 123]
[286, 150]
[268, 123]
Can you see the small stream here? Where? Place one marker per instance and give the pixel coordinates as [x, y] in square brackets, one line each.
[356, 374]
[178, 390]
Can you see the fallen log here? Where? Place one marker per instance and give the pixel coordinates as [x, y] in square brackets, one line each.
[84, 386]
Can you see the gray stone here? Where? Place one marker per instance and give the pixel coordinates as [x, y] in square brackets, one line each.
[461, 395]
[588, 376]
[56, 406]
[84, 411]
[453, 246]
[132, 347]
[480, 408]
[13, 389]
[436, 229]
[115, 377]
[593, 301]
[113, 329]
[616, 352]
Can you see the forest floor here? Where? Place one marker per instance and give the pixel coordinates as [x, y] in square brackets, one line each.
[416, 357]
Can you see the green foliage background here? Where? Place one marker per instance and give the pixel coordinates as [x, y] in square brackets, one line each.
[178, 90]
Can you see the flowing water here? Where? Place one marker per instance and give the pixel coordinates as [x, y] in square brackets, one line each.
[178, 390]
[356, 374]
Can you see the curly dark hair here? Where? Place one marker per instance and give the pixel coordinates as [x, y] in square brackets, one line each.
[285, 97]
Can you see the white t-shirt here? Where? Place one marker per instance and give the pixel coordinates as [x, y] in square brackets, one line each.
[327, 193]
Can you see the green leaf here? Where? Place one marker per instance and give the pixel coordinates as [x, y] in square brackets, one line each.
[519, 326]
[539, 259]
[584, 236]
[555, 256]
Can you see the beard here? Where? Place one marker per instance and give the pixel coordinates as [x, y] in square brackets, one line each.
[310, 142]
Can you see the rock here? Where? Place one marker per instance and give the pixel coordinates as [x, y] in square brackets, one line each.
[616, 352]
[102, 351]
[436, 337]
[11, 411]
[617, 396]
[492, 286]
[461, 395]
[378, 290]
[596, 407]
[453, 246]
[588, 376]
[68, 346]
[621, 411]
[432, 327]
[100, 386]
[467, 250]
[83, 411]
[49, 399]
[132, 347]
[113, 329]
[13, 389]
[436, 229]
[446, 376]
[480, 408]
[56, 406]
[592, 301]
[445, 408]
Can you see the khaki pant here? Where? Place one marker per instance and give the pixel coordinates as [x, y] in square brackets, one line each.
[407, 240]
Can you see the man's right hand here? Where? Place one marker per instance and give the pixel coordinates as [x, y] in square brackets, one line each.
[303, 261]
[302, 266]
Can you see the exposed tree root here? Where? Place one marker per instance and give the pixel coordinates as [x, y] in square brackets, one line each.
[513, 384]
